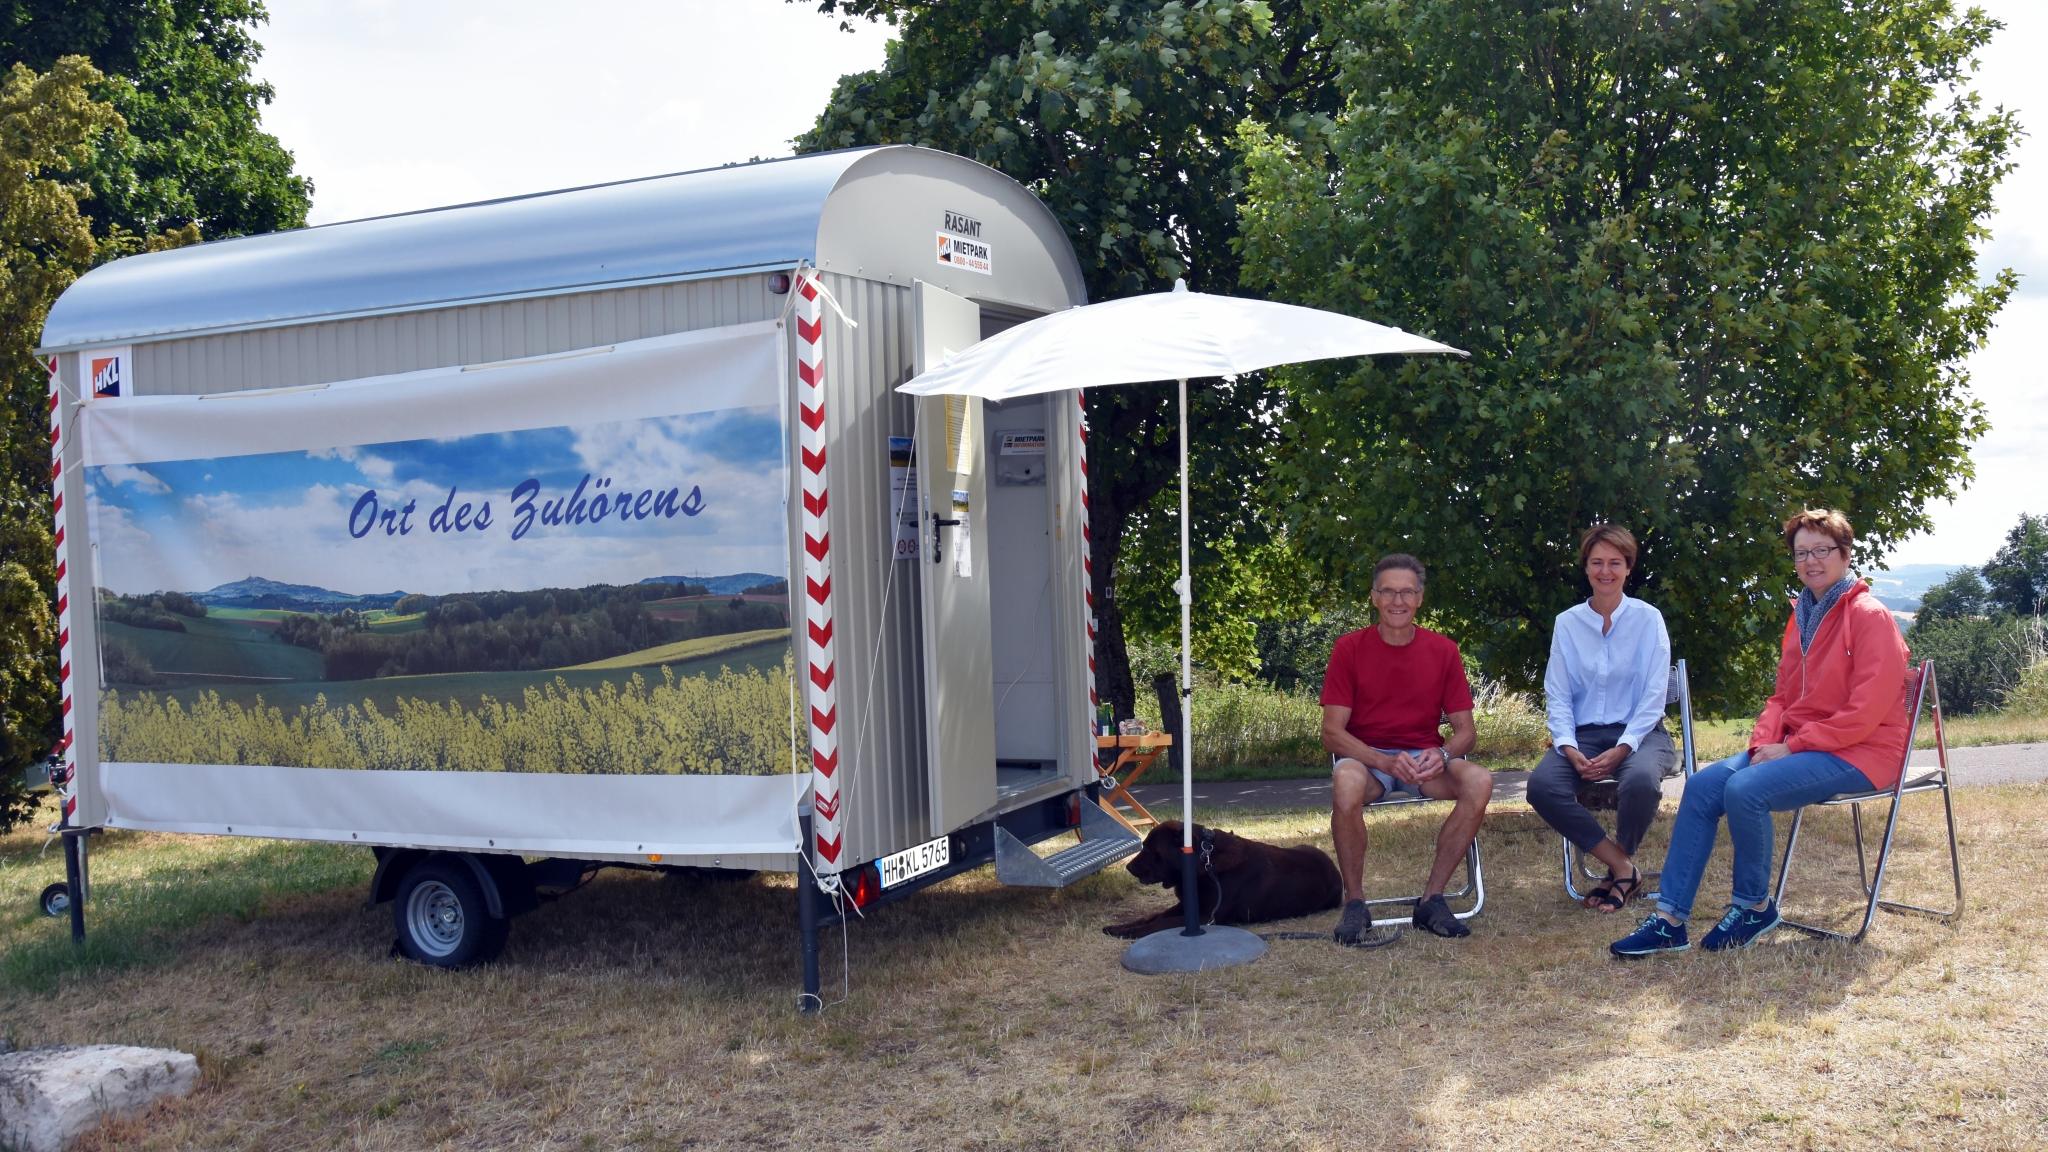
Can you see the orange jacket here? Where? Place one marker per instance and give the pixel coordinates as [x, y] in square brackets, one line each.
[1846, 693]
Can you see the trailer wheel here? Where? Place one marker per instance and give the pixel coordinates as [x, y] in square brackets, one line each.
[55, 900]
[442, 917]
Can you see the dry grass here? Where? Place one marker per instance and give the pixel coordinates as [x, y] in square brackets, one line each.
[1715, 739]
[654, 1013]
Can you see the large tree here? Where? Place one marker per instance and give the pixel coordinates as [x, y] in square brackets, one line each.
[1714, 263]
[2017, 576]
[1120, 116]
[47, 126]
[1959, 597]
[127, 126]
[180, 74]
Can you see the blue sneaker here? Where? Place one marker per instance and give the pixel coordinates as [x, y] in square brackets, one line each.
[1654, 935]
[1740, 927]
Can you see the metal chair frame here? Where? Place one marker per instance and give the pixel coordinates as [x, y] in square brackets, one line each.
[1577, 864]
[1921, 691]
[1475, 871]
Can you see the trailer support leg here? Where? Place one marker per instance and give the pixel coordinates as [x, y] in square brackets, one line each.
[807, 895]
[74, 880]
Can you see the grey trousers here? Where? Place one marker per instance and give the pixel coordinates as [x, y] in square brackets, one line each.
[1639, 782]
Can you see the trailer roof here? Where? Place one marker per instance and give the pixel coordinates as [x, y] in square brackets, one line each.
[688, 225]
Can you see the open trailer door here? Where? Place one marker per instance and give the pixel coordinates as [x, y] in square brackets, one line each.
[952, 568]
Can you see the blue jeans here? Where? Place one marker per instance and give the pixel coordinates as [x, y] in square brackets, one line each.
[1747, 794]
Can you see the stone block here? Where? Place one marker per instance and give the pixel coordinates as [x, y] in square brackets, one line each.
[51, 1096]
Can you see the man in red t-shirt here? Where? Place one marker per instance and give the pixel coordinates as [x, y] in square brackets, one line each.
[1387, 689]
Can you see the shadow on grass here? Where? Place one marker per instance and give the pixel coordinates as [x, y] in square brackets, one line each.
[154, 895]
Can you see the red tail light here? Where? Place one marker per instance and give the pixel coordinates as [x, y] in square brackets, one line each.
[866, 887]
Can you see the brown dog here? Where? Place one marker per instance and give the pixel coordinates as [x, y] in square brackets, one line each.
[1241, 882]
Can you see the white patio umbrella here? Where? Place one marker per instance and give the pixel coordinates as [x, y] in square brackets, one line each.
[1177, 335]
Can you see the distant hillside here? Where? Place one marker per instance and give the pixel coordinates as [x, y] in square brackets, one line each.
[257, 592]
[1900, 588]
[720, 585]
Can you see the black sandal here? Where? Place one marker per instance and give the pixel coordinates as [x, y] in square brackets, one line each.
[1615, 894]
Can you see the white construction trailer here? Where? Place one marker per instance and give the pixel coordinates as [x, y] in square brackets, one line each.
[524, 538]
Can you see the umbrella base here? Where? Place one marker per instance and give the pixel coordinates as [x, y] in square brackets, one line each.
[1169, 951]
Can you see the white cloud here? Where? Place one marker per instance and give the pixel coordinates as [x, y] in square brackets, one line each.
[134, 477]
[394, 107]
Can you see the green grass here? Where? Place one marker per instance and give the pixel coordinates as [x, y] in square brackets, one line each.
[687, 651]
[149, 893]
[648, 1012]
[218, 647]
[1248, 732]
[379, 620]
[465, 688]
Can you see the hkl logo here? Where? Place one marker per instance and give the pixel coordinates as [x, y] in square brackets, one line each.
[106, 377]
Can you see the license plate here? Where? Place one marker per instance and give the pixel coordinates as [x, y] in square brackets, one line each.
[913, 862]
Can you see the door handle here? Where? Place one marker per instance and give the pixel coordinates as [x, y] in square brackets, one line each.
[939, 525]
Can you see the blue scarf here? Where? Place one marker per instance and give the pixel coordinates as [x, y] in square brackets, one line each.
[1809, 610]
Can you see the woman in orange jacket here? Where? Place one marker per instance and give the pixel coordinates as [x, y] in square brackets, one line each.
[1837, 723]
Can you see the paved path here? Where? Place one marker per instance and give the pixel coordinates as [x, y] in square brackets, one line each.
[1991, 764]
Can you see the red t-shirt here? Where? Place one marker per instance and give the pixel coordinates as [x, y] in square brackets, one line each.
[1397, 696]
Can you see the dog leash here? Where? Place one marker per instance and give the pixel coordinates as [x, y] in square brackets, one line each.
[1373, 938]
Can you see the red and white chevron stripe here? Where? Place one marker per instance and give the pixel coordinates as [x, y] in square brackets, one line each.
[70, 791]
[820, 650]
[1087, 553]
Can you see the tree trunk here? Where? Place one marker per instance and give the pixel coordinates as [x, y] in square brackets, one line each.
[1112, 659]
[1166, 686]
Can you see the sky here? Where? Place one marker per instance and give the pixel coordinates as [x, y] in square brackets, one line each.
[506, 511]
[395, 105]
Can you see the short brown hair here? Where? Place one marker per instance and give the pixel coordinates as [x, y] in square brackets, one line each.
[1403, 561]
[1827, 522]
[1614, 536]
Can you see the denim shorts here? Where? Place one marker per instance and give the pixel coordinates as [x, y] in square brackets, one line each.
[1388, 781]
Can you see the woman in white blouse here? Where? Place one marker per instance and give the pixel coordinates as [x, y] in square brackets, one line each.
[1610, 662]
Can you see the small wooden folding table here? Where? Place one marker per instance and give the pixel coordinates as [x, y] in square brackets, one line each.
[1134, 755]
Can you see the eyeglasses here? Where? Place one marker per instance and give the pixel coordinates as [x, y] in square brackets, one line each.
[1802, 555]
[1398, 593]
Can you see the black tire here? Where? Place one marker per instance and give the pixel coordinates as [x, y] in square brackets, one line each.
[442, 916]
[55, 901]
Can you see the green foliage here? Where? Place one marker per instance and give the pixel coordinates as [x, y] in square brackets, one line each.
[2017, 575]
[1257, 730]
[178, 73]
[1962, 594]
[47, 125]
[152, 148]
[737, 722]
[1120, 118]
[28, 643]
[2029, 695]
[1978, 660]
[1713, 262]
[522, 631]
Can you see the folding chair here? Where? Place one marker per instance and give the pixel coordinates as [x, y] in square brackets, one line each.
[1600, 796]
[1920, 691]
[1131, 756]
[1475, 874]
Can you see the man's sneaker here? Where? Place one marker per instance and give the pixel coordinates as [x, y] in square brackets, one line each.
[1654, 935]
[1435, 916]
[1740, 927]
[1352, 925]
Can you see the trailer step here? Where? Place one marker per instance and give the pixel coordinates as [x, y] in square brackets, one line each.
[1104, 841]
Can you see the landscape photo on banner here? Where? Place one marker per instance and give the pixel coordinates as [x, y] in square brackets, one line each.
[579, 598]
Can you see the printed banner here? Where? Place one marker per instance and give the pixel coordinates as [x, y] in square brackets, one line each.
[573, 565]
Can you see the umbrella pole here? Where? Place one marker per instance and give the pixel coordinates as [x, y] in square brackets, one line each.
[1190, 898]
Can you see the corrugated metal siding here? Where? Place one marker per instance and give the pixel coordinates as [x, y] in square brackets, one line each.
[1070, 624]
[475, 334]
[877, 624]
[877, 621]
